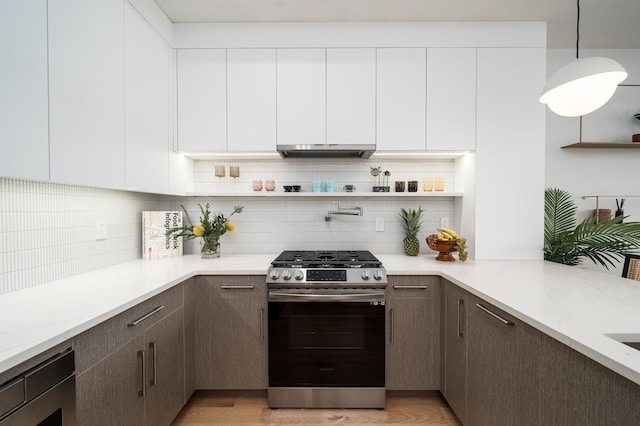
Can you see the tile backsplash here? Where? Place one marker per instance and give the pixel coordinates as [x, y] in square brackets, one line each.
[48, 230]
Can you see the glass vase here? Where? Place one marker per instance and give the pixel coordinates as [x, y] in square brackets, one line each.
[209, 247]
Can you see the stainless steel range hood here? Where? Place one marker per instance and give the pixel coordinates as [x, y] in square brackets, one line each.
[326, 151]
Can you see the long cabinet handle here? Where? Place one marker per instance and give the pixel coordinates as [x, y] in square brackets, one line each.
[237, 287]
[496, 316]
[144, 317]
[261, 325]
[391, 325]
[460, 320]
[153, 347]
[143, 377]
[418, 287]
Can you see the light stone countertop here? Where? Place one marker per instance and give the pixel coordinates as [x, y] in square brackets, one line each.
[573, 305]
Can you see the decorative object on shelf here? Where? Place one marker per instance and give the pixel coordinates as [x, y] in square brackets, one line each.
[602, 215]
[219, 171]
[329, 186]
[399, 186]
[447, 242]
[620, 208]
[411, 224]
[270, 185]
[412, 186]
[316, 186]
[377, 171]
[636, 137]
[234, 171]
[438, 183]
[582, 86]
[210, 230]
[602, 242]
[427, 185]
[349, 188]
[257, 185]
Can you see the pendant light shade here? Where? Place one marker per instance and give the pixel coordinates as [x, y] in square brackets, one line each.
[582, 86]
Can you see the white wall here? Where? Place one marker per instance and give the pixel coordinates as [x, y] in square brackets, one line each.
[597, 171]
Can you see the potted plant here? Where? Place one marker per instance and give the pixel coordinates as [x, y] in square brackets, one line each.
[601, 242]
[209, 230]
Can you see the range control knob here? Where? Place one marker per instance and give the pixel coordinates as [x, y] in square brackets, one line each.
[274, 275]
[299, 275]
[366, 275]
[377, 275]
[286, 275]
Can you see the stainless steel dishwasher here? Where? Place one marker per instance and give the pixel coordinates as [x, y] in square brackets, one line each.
[44, 395]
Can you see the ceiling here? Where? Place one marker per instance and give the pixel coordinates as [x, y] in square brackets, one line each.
[604, 24]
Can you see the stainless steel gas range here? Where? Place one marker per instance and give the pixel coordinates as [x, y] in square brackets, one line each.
[326, 330]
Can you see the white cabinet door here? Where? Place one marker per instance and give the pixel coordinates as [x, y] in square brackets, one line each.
[351, 96]
[24, 125]
[451, 99]
[86, 89]
[401, 98]
[301, 96]
[251, 100]
[202, 100]
[147, 109]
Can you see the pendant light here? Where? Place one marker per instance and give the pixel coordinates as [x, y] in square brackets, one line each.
[582, 86]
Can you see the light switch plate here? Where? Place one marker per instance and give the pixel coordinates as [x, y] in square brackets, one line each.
[379, 224]
[101, 230]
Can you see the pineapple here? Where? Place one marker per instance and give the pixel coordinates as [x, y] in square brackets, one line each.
[411, 225]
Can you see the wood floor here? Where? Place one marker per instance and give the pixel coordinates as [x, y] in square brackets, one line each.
[217, 408]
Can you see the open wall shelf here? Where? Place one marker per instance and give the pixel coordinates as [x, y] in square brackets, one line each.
[616, 145]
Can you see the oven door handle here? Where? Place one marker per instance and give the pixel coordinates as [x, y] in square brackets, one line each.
[280, 296]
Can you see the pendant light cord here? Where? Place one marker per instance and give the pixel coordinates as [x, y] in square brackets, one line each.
[578, 30]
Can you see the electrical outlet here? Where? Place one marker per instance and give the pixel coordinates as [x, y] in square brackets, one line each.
[101, 230]
[444, 222]
[379, 224]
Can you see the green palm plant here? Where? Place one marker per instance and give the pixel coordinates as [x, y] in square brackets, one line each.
[603, 242]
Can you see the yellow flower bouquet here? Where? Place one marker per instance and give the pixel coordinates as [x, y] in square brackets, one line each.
[210, 230]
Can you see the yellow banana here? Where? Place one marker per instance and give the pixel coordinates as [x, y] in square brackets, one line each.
[449, 233]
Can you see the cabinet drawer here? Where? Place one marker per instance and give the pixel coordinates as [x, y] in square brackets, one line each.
[234, 286]
[106, 337]
[411, 286]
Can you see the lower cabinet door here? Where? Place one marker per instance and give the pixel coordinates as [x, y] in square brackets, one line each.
[413, 339]
[503, 366]
[109, 392]
[164, 344]
[231, 333]
[454, 387]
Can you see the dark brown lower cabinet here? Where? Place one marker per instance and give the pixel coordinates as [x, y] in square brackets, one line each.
[130, 368]
[413, 333]
[575, 390]
[503, 368]
[454, 364]
[231, 332]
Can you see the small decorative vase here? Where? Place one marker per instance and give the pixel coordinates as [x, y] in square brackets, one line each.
[209, 247]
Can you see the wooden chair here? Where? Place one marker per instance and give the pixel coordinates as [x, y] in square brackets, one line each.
[631, 267]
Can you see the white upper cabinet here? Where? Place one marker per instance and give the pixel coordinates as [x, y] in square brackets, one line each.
[451, 99]
[24, 125]
[351, 96]
[301, 96]
[401, 99]
[148, 59]
[86, 96]
[202, 100]
[251, 100]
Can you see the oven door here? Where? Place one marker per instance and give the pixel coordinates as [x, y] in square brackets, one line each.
[326, 338]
